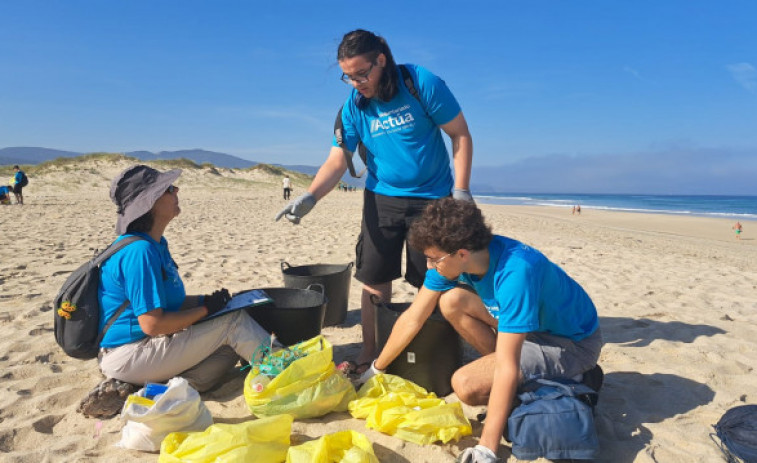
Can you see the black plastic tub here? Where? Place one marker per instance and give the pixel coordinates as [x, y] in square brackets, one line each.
[295, 315]
[334, 278]
[431, 358]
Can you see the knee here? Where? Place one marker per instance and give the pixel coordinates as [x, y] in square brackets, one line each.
[451, 304]
[468, 391]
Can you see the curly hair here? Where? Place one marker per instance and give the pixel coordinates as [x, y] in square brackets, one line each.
[450, 225]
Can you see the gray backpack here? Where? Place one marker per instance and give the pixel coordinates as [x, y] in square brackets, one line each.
[77, 310]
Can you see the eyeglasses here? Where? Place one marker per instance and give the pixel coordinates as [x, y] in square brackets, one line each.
[360, 78]
[435, 262]
[171, 189]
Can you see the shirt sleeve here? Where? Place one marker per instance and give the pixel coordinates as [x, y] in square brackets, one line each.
[349, 131]
[437, 98]
[435, 282]
[143, 278]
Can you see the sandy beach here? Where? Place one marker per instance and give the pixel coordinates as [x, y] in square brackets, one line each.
[676, 299]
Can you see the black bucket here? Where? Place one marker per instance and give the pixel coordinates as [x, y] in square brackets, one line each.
[295, 315]
[432, 356]
[336, 280]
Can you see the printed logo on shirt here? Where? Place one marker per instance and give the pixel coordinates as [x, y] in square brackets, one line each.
[392, 121]
[493, 310]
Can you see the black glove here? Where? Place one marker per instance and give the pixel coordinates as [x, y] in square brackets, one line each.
[217, 301]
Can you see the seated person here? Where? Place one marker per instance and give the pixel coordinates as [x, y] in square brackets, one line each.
[523, 313]
[5, 192]
[156, 337]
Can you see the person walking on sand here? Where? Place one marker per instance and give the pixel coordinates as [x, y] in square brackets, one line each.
[524, 315]
[737, 228]
[287, 184]
[407, 162]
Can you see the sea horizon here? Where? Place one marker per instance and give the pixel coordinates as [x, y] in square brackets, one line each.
[734, 207]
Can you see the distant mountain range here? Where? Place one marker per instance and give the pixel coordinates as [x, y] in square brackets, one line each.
[36, 155]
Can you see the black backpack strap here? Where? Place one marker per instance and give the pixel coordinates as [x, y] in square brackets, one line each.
[102, 257]
[361, 150]
[111, 320]
[408, 79]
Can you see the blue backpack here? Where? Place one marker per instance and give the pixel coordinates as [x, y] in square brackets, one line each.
[554, 421]
[737, 431]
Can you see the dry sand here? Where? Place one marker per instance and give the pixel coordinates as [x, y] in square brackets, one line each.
[676, 297]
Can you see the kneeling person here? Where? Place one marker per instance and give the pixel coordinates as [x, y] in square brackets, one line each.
[523, 313]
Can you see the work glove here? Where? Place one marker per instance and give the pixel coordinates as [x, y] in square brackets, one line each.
[368, 374]
[462, 194]
[297, 208]
[216, 301]
[477, 454]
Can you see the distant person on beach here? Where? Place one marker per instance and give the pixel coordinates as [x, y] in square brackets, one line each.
[287, 184]
[19, 182]
[5, 194]
[407, 163]
[157, 337]
[737, 228]
[524, 315]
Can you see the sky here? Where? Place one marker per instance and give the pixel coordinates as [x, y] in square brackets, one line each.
[549, 84]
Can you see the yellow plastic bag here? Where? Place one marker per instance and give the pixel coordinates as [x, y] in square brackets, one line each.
[401, 408]
[339, 447]
[262, 441]
[309, 387]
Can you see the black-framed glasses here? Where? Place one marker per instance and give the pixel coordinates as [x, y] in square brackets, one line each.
[435, 262]
[360, 78]
[171, 189]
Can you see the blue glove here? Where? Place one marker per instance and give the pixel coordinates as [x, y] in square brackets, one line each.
[462, 194]
[297, 208]
[368, 374]
[478, 454]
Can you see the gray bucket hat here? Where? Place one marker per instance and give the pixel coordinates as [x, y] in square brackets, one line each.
[135, 191]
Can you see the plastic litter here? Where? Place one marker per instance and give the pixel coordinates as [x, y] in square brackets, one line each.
[262, 441]
[341, 447]
[398, 407]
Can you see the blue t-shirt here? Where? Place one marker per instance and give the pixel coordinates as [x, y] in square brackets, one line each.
[145, 274]
[526, 292]
[4, 190]
[408, 156]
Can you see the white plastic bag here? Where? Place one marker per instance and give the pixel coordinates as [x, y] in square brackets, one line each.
[147, 424]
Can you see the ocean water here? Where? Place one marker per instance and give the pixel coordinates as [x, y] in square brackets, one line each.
[729, 207]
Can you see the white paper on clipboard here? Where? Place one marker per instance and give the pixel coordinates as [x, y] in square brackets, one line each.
[244, 300]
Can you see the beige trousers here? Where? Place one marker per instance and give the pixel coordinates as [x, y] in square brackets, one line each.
[201, 353]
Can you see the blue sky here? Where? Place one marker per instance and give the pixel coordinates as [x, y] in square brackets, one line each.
[565, 80]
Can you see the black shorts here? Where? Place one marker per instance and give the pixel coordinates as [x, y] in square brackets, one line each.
[383, 234]
[17, 188]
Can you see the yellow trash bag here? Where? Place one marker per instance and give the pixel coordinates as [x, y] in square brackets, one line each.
[262, 441]
[309, 387]
[398, 407]
[339, 447]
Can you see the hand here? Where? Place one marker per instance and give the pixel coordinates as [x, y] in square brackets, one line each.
[477, 454]
[369, 373]
[217, 301]
[297, 208]
[462, 194]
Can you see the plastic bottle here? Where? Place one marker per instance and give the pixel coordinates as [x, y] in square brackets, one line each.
[259, 382]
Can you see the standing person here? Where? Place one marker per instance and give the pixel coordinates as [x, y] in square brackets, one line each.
[157, 336]
[19, 182]
[523, 313]
[287, 184]
[737, 228]
[407, 162]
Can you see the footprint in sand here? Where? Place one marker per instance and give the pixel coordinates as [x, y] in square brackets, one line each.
[45, 425]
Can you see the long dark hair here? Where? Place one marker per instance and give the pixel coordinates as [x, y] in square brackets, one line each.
[362, 42]
[142, 224]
